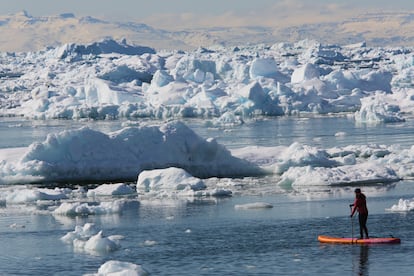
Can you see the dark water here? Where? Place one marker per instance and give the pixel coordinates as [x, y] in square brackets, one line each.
[213, 237]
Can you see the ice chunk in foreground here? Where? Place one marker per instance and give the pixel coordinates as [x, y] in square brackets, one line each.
[99, 243]
[118, 268]
[86, 238]
[80, 232]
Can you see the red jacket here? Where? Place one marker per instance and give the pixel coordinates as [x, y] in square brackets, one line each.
[360, 204]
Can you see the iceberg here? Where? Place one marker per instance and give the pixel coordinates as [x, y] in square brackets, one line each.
[89, 155]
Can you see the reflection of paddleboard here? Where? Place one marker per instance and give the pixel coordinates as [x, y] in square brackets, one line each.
[327, 239]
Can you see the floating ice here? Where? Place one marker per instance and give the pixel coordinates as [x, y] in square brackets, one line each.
[80, 232]
[118, 268]
[306, 177]
[85, 208]
[173, 182]
[99, 243]
[111, 190]
[298, 154]
[376, 109]
[302, 167]
[23, 195]
[85, 154]
[174, 179]
[109, 79]
[403, 205]
[87, 238]
[255, 205]
[149, 243]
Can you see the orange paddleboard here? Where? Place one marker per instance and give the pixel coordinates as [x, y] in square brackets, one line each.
[328, 239]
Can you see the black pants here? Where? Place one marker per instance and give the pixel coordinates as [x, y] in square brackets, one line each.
[363, 224]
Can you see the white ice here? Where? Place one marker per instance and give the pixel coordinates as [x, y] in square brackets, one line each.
[110, 79]
[138, 153]
[403, 205]
[173, 182]
[119, 268]
[88, 239]
[86, 154]
[80, 208]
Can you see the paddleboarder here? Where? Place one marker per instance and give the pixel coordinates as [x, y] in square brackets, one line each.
[360, 205]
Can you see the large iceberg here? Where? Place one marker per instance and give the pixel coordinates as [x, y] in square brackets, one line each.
[89, 155]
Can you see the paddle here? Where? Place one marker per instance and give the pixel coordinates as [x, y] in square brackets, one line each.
[352, 224]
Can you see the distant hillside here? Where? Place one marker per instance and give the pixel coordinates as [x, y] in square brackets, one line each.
[23, 32]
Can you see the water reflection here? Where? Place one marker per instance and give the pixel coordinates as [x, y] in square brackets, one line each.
[360, 263]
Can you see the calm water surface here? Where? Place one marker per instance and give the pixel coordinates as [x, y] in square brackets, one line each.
[212, 237]
[318, 131]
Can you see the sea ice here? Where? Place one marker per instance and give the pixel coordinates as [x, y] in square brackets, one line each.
[119, 268]
[87, 238]
[86, 154]
[403, 205]
[109, 79]
[80, 208]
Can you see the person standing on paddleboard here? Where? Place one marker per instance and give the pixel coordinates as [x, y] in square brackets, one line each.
[360, 205]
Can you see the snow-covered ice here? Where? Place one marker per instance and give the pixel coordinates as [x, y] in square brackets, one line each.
[150, 153]
[110, 79]
[86, 154]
